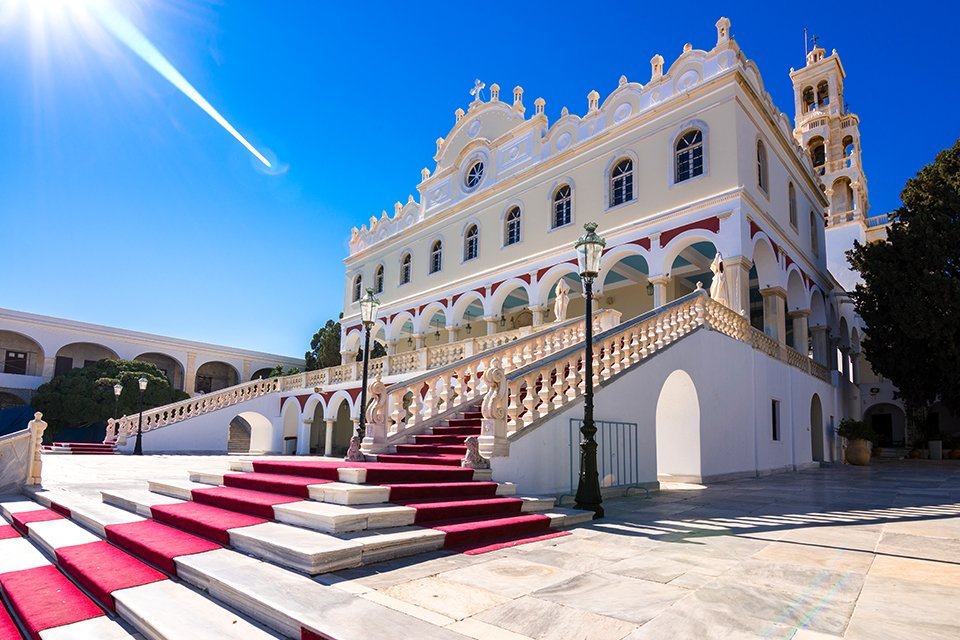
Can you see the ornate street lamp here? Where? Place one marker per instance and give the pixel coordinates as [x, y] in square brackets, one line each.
[368, 315]
[117, 390]
[138, 447]
[589, 249]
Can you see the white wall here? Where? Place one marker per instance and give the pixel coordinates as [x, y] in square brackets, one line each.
[727, 434]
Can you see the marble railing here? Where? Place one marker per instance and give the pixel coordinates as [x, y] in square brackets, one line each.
[532, 392]
[119, 430]
[20, 461]
[410, 404]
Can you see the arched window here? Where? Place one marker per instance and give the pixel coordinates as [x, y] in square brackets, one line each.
[818, 154]
[511, 232]
[809, 102]
[689, 155]
[621, 182]
[436, 256]
[405, 268]
[814, 234]
[823, 93]
[378, 280]
[562, 200]
[761, 166]
[471, 243]
[792, 198]
[357, 287]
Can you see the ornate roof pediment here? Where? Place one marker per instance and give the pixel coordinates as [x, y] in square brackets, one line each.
[484, 120]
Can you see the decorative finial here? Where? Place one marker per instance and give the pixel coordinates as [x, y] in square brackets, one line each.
[425, 173]
[477, 89]
[723, 31]
[458, 114]
[687, 47]
[656, 67]
[538, 105]
[518, 99]
[593, 100]
[564, 112]
[623, 81]
[494, 92]
[439, 144]
[397, 207]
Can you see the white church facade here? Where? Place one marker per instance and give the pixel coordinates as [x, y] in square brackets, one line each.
[694, 168]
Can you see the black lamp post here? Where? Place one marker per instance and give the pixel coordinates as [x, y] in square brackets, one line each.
[117, 390]
[589, 250]
[138, 447]
[368, 314]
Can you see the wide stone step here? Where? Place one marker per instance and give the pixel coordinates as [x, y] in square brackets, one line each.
[452, 460]
[464, 422]
[445, 510]
[368, 472]
[325, 491]
[456, 431]
[287, 602]
[438, 490]
[428, 438]
[470, 532]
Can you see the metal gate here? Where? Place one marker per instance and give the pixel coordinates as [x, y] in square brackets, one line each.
[618, 452]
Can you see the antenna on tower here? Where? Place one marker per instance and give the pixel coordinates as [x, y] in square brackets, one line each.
[806, 46]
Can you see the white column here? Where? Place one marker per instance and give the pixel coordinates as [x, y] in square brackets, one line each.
[347, 356]
[774, 320]
[420, 340]
[800, 339]
[492, 324]
[453, 333]
[538, 313]
[328, 438]
[820, 345]
[303, 437]
[659, 290]
[391, 347]
[737, 270]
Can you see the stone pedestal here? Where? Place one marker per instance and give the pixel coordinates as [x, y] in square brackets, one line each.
[737, 271]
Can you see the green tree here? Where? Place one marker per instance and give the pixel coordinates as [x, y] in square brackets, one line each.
[84, 396]
[324, 347]
[910, 296]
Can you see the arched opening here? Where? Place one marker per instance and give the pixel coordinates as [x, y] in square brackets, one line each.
[888, 421]
[692, 265]
[766, 315]
[678, 426]
[796, 308]
[170, 367]
[318, 430]
[823, 93]
[401, 330]
[816, 428]
[842, 201]
[342, 430]
[8, 400]
[472, 320]
[433, 326]
[625, 286]
[215, 375]
[80, 354]
[253, 429]
[818, 153]
[809, 100]
[291, 418]
[513, 311]
[21, 354]
[848, 150]
[261, 374]
[238, 436]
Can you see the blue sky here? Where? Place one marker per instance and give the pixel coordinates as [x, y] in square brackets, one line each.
[122, 203]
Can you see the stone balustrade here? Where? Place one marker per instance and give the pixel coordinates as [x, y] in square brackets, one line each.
[20, 461]
[411, 404]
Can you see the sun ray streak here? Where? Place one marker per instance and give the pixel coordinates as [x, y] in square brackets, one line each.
[134, 39]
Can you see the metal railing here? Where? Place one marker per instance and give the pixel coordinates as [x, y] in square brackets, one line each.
[618, 453]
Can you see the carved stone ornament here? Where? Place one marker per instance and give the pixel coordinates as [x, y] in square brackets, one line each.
[353, 452]
[472, 457]
[494, 405]
[377, 406]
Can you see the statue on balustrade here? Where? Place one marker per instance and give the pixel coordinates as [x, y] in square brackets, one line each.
[563, 299]
[718, 288]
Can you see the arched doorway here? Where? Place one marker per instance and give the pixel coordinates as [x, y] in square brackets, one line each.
[80, 354]
[291, 425]
[816, 428]
[213, 376]
[678, 426]
[888, 421]
[342, 430]
[261, 374]
[692, 265]
[625, 286]
[21, 355]
[170, 367]
[238, 436]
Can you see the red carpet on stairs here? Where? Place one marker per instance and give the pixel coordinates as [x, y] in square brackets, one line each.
[253, 503]
[446, 510]
[202, 520]
[157, 543]
[377, 472]
[273, 483]
[8, 628]
[23, 518]
[469, 533]
[438, 490]
[7, 531]
[101, 568]
[44, 598]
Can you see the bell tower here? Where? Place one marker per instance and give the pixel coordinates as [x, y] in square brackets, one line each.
[830, 135]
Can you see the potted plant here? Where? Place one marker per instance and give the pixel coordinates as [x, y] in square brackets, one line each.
[859, 436]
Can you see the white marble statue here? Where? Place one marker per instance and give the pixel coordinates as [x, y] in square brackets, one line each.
[718, 288]
[563, 299]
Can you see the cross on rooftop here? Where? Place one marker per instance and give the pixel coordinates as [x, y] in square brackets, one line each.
[477, 88]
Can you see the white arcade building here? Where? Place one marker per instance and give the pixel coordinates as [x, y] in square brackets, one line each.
[695, 163]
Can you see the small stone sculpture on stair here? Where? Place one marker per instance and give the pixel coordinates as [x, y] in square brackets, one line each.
[472, 457]
[353, 452]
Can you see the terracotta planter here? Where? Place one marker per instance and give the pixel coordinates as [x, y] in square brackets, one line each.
[858, 452]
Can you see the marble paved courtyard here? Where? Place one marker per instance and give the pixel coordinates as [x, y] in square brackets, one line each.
[838, 552]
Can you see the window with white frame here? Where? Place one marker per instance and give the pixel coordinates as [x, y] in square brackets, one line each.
[436, 256]
[621, 182]
[792, 197]
[562, 203]
[471, 243]
[689, 155]
[474, 175]
[378, 280]
[405, 268]
[511, 233]
[357, 287]
[761, 166]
